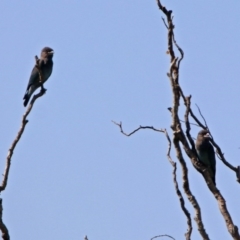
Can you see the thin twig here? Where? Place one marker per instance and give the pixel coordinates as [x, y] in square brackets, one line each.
[194, 124]
[165, 23]
[180, 50]
[165, 235]
[202, 116]
[197, 120]
[137, 129]
[219, 152]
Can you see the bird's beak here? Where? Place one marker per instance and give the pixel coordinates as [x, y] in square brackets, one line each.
[51, 53]
[207, 135]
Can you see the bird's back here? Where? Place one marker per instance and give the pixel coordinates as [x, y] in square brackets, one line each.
[206, 155]
[46, 69]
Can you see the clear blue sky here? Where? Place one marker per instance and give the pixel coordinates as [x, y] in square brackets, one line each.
[73, 173]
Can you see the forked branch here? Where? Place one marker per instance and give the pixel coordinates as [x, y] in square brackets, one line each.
[178, 134]
[174, 165]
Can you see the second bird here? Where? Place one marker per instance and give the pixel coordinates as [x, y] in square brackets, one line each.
[46, 65]
[206, 153]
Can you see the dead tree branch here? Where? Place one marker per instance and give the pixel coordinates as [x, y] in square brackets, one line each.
[165, 235]
[174, 165]
[137, 129]
[19, 134]
[176, 124]
[5, 234]
[4, 230]
[220, 155]
[178, 134]
[178, 192]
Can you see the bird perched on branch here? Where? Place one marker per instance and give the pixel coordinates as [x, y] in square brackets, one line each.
[206, 152]
[45, 65]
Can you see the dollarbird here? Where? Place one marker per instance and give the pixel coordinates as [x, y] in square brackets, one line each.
[206, 153]
[45, 64]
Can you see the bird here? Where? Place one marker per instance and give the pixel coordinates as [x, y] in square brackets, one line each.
[206, 153]
[45, 65]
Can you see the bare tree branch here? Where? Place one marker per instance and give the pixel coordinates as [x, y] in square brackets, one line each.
[5, 234]
[178, 192]
[165, 235]
[202, 116]
[198, 217]
[19, 134]
[174, 165]
[219, 151]
[196, 119]
[4, 230]
[195, 124]
[176, 125]
[137, 129]
[179, 136]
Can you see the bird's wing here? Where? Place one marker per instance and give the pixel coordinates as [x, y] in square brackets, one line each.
[34, 78]
[212, 159]
[207, 156]
[203, 156]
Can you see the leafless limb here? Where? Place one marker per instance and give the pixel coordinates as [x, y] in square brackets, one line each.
[4, 230]
[196, 119]
[174, 165]
[19, 134]
[194, 124]
[137, 129]
[180, 50]
[219, 153]
[179, 136]
[164, 22]
[178, 192]
[165, 235]
[5, 234]
[198, 217]
[199, 110]
[176, 124]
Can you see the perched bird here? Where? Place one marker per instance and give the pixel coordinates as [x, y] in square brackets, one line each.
[206, 152]
[45, 64]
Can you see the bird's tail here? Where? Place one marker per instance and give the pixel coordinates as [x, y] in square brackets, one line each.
[214, 181]
[26, 99]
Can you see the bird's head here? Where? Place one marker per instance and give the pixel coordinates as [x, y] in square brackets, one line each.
[47, 52]
[204, 134]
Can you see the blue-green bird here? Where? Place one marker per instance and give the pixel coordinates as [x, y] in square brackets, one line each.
[206, 152]
[46, 65]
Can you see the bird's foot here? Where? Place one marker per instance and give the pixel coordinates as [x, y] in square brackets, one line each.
[43, 90]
